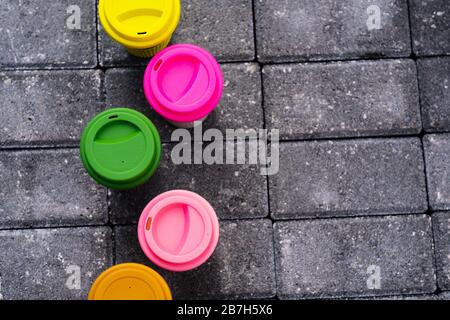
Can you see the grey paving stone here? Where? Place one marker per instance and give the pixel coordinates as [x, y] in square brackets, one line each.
[52, 263]
[437, 150]
[354, 257]
[430, 26]
[225, 28]
[343, 99]
[48, 188]
[416, 297]
[434, 82]
[241, 267]
[240, 107]
[235, 191]
[47, 107]
[293, 30]
[348, 177]
[441, 230]
[40, 33]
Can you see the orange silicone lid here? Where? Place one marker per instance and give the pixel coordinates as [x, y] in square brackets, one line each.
[130, 281]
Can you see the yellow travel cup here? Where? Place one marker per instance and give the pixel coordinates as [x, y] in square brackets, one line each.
[143, 27]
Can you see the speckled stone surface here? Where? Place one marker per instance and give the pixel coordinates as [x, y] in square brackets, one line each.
[434, 81]
[235, 191]
[336, 178]
[48, 188]
[29, 38]
[354, 257]
[52, 263]
[342, 99]
[47, 107]
[437, 151]
[430, 21]
[298, 30]
[242, 266]
[224, 27]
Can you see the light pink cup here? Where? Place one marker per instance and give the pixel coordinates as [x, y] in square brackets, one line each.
[178, 230]
[183, 83]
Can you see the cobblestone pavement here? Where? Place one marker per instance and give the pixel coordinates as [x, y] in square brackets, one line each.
[359, 90]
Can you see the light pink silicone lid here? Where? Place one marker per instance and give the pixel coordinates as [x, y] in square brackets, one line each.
[178, 230]
[183, 83]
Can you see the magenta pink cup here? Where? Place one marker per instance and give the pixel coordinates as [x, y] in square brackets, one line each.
[178, 230]
[183, 83]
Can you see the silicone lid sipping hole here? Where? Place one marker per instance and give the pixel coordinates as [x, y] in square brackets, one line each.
[157, 65]
[180, 229]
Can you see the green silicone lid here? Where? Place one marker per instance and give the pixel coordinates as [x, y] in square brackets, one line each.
[120, 148]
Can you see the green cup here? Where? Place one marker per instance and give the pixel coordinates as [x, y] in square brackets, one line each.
[120, 148]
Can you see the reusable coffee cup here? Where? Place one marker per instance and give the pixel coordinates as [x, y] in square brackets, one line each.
[120, 148]
[130, 281]
[143, 27]
[183, 83]
[178, 230]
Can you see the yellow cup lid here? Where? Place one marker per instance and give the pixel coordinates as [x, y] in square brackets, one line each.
[139, 24]
[130, 281]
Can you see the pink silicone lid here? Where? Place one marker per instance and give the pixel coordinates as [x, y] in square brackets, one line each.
[178, 230]
[183, 83]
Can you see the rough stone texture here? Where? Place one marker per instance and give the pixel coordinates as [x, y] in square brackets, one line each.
[35, 34]
[47, 107]
[444, 296]
[341, 257]
[225, 28]
[293, 30]
[434, 81]
[240, 107]
[48, 188]
[44, 185]
[348, 177]
[441, 230]
[241, 267]
[437, 159]
[234, 191]
[43, 263]
[342, 99]
[430, 26]
[418, 297]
